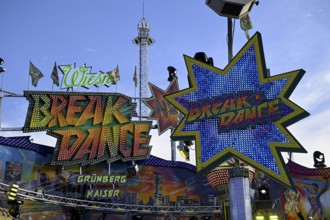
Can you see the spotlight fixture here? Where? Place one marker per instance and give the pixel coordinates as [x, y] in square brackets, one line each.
[319, 159]
[188, 143]
[201, 56]
[12, 200]
[230, 8]
[1, 68]
[137, 217]
[263, 192]
[184, 148]
[15, 208]
[273, 217]
[186, 152]
[171, 73]
[260, 217]
[132, 169]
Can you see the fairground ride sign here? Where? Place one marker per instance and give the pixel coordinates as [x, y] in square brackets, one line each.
[161, 110]
[239, 112]
[90, 127]
[82, 76]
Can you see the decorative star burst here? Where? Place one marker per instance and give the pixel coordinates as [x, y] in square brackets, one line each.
[239, 112]
[162, 111]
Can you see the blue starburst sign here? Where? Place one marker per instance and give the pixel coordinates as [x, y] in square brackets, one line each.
[240, 111]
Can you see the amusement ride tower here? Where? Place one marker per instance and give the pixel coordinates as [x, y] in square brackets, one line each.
[143, 40]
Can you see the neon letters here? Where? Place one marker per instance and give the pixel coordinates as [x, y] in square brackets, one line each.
[90, 127]
[82, 77]
[237, 110]
[101, 180]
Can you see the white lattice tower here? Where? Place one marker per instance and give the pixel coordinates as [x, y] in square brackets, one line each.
[143, 41]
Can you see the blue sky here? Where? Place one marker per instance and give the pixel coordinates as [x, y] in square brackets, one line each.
[99, 33]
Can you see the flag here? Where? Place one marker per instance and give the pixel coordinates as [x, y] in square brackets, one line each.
[114, 75]
[54, 76]
[117, 75]
[35, 74]
[135, 79]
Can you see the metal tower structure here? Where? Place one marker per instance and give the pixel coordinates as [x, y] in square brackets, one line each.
[143, 40]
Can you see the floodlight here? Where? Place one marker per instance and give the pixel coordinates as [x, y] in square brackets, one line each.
[231, 8]
[1, 68]
[183, 148]
[319, 159]
[201, 56]
[263, 192]
[186, 149]
[137, 217]
[15, 208]
[171, 73]
[273, 217]
[260, 217]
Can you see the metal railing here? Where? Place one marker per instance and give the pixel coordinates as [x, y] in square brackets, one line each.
[111, 207]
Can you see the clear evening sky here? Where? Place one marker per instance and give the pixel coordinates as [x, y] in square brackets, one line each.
[99, 33]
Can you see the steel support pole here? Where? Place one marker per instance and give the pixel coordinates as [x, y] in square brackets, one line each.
[239, 187]
[239, 194]
[230, 39]
[173, 150]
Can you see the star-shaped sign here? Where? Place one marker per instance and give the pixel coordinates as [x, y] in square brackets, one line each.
[239, 112]
[161, 110]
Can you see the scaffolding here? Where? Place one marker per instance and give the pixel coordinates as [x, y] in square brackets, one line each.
[24, 194]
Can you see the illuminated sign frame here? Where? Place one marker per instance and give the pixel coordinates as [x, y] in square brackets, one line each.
[90, 127]
[257, 143]
[82, 76]
[161, 110]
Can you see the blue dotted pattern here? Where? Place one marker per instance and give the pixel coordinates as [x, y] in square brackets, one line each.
[252, 142]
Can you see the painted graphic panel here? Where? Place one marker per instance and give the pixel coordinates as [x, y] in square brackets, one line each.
[13, 171]
[312, 198]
